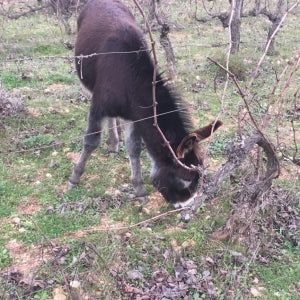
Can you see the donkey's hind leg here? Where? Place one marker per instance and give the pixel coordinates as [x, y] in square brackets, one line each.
[91, 141]
[133, 143]
[113, 136]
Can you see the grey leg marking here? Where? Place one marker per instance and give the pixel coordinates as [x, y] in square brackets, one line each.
[113, 136]
[90, 142]
[133, 143]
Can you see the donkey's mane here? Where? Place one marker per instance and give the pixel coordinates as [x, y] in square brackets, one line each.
[171, 101]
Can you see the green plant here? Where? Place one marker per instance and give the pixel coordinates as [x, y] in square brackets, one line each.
[5, 258]
[42, 295]
[237, 66]
[38, 140]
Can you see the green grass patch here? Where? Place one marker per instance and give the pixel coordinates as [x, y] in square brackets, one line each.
[52, 225]
[38, 140]
[281, 279]
[48, 50]
[10, 192]
[11, 81]
[5, 258]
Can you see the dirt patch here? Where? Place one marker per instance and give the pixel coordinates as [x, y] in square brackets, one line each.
[34, 112]
[56, 87]
[26, 260]
[155, 203]
[29, 208]
[42, 173]
[73, 156]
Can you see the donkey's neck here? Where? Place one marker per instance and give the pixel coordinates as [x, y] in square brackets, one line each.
[174, 131]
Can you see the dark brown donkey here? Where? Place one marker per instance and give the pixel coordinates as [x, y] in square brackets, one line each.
[119, 76]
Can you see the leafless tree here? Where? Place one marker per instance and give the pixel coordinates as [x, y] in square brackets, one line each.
[236, 25]
[63, 9]
[164, 38]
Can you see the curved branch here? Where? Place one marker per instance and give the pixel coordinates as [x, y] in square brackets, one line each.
[236, 156]
[29, 11]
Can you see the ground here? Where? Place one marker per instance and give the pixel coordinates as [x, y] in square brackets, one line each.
[98, 236]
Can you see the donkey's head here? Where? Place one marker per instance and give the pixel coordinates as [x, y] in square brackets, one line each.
[176, 184]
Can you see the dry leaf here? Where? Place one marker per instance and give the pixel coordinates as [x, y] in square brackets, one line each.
[59, 294]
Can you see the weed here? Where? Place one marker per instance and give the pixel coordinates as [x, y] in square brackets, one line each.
[38, 140]
[41, 295]
[5, 258]
[218, 146]
[237, 66]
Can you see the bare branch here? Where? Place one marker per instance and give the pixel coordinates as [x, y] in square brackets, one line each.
[255, 72]
[236, 156]
[29, 11]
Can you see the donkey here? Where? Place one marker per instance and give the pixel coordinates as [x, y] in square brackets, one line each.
[118, 70]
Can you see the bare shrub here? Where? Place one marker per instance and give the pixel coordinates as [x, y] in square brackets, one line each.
[10, 104]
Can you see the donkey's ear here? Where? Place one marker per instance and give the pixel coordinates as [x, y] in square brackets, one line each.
[206, 131]
[187, 144]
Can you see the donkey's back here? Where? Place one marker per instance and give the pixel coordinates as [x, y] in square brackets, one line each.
[120, 61]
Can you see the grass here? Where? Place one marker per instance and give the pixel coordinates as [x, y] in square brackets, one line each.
[281, 279]
[36, 209]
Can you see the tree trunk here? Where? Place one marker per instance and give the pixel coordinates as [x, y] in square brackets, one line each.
[164, 39]
[236, 26]
[276, 18]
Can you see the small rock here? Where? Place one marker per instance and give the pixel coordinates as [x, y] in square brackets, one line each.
[185, 216]
[53, 163]
[238, 257]
[205, 274]
[155, 249]
[50, 209]
[16, 220]
[160, 238]
[135, 275]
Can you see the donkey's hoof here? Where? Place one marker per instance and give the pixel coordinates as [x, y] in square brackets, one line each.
[142, 199]
[71, 185]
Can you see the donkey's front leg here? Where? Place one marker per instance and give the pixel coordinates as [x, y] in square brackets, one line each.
[133, 143]
[91, 141]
